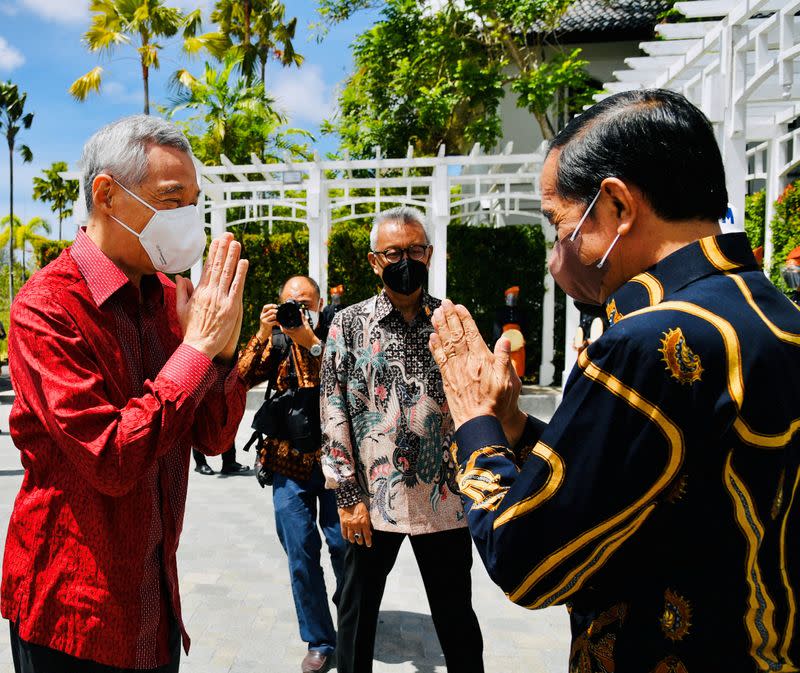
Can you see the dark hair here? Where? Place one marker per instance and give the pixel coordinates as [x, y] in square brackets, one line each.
[314, 284]
[654, 139]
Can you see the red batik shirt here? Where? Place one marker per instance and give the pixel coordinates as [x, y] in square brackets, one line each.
[108, 404]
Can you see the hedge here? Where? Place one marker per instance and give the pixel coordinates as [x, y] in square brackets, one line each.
[785, 230]
[481, 263]
[785, 227]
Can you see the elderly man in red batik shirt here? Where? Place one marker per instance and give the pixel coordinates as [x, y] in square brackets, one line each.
[118, 372]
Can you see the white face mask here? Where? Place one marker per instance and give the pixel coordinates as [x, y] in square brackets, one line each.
[313, 318]
[173, 239]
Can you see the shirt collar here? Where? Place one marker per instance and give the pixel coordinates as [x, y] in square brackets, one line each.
[103, 277]
[714, 254]
[384, 306]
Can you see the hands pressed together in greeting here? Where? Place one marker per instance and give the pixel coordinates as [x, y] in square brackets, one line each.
[477, 381]
[211, 313]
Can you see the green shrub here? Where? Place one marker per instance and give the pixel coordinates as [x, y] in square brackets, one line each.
[754, 215]
[348, 246]
[49, 250]
[273, 259]
[785, 230]
[482, 262]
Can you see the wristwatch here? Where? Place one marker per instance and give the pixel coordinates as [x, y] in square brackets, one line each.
[316, 350]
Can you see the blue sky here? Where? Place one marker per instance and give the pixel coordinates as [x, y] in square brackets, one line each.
[41, 51]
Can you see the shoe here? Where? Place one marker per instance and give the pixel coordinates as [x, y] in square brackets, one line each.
[314, 662]
[204, 469]
[235, 468]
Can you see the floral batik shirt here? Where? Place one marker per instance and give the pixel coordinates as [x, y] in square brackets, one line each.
[386, 428]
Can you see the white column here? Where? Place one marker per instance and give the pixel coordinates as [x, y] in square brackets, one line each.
[546, 369]
[772, 192]
[324, 235]
[219, 214]
[213, 197]
[440, 218]
[572, 319]
[734, 144]
[316, 258]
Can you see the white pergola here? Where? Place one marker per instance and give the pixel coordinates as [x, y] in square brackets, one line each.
[479, 189]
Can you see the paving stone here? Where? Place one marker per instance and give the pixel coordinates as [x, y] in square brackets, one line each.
[238, 603]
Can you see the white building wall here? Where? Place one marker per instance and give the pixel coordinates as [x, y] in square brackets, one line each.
[522, 128]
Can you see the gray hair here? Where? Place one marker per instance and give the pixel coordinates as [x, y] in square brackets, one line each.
[120, 149]
[404, 214]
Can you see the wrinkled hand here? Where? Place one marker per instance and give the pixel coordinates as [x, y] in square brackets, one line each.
[476, 381]
[354, 520]
[210, 314]
[267, 321]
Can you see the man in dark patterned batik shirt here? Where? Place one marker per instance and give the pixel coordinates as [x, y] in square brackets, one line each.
[660, 504]
[386, 435]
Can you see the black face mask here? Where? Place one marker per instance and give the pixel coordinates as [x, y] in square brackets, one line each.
[406, 276]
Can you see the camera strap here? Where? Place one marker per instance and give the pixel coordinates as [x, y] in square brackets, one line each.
[281, 349]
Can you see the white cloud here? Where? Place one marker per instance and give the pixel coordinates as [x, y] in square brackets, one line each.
[302, 94]
[10, 57]
[191, 5]
[61, 11]
[8, 9]
[116, 92]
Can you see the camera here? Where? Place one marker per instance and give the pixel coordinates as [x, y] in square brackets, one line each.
[289, 314]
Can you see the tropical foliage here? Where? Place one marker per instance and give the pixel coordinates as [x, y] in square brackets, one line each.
[26, 234]
[236, 119]
[785, 230]
[253, 31]
[425, 77]
[138, 23]
[754, 215]
[56, 191]
[13, 119]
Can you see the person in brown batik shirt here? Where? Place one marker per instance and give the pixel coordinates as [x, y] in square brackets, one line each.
[290, 359]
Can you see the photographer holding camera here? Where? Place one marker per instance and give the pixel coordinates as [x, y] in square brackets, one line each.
[287, 352]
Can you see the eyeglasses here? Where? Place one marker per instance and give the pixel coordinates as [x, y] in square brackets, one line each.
[415, 252]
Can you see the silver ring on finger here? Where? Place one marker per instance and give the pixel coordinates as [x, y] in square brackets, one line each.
[357, 536]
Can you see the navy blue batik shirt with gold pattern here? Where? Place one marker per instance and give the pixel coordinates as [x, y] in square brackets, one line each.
[660, 504]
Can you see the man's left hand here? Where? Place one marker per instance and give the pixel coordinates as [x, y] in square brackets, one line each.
[476, 381]
[302, 335]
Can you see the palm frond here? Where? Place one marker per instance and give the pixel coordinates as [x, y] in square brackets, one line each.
[83, 86]
[100, 38]
[27, 155]
[192, 23]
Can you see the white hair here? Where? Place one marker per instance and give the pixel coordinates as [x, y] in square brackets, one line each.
[404, 214]
[120, 149]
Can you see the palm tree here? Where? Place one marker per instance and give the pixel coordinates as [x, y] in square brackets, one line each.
[238, 118]
[54, 189]
[254, 30]
[13, 118]
[138, 22]
[24, 234]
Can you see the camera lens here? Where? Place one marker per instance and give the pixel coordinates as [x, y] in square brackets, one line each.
[289, 315]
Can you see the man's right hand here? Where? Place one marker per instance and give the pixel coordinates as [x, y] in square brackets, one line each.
[268, 320]
[355, 520]
[209, 313]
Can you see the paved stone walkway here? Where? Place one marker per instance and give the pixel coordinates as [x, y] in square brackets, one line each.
[238, 606]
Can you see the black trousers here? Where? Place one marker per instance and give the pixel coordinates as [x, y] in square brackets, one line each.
[30, 658]
[228, 458]
[444, 561]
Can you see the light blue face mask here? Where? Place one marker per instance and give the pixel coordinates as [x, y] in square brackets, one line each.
[173, 239]
[582, 283]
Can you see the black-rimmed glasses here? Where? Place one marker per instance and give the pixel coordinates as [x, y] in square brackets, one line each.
[415, 252]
